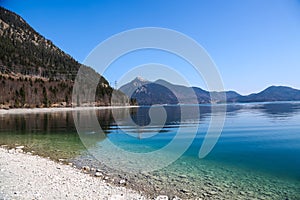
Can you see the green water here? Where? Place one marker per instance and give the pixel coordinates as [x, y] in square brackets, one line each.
[48, 134]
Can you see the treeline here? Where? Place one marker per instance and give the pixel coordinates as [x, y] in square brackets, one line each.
[17, 92]
[31, 92]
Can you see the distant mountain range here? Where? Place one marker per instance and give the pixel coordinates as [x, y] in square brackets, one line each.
[163, 92]
[273, 93]
[36, 73]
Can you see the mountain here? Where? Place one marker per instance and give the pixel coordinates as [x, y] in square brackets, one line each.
[25, 51]
[163, 92]
[273, 93]
[148, 93]
[36, 73]
[133, 85]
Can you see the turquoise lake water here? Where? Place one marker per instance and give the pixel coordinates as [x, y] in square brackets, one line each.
[256, 157]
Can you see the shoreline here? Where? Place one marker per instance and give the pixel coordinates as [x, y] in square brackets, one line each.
[26, 176]
[66, 109]
[60, 109]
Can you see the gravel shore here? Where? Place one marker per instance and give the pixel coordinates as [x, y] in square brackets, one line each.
[60, 109]
[24, 176]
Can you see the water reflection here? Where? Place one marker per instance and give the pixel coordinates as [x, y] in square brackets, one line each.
[54, 122]
[50, 134]
[56, 130]
[279, 110]
[38, 123]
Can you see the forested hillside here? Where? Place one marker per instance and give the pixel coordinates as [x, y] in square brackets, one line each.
[36, 73]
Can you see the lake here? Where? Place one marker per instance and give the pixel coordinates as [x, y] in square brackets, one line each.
[257, 155]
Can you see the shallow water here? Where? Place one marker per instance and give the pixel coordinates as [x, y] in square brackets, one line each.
[256, 157]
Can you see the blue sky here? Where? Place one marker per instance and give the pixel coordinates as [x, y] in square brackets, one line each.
[254, 43]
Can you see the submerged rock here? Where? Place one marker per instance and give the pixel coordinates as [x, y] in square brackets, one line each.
[182, 176]
[184, 190]
[212, 192]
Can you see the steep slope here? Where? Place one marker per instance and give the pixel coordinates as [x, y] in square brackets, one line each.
[25, 51]
[33, 71]
[130, 88]
[147, 93]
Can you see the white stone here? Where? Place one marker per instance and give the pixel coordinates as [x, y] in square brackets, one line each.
[86, 168]
[176, 198]
[98, 174]
[162, 197]
[19, 151]
[12, 151]
[47, 182]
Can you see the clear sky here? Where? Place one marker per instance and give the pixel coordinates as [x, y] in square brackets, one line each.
[254, 43]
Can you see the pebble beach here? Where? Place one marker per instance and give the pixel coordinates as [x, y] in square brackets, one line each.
[24, 176]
